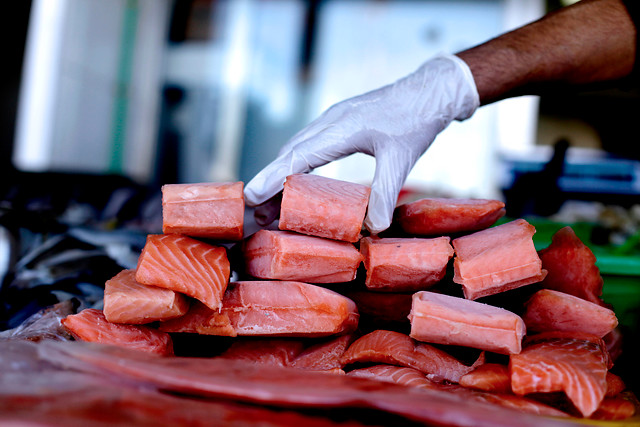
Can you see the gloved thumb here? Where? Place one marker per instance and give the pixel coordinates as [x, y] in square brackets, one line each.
[391, 173]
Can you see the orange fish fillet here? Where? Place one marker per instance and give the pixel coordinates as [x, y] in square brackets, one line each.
[492, 377]
[212, 210]
[323, 207]
[272, 308]
[549, 310]
[127, 301]
[404, 264]
[497, 259]
[445, 319]
[437, 216]
[395, 348]
[554, 363]
[284, 255]
[91, 325]
[185, 265]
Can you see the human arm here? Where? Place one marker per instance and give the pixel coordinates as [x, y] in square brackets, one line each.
[590, 42]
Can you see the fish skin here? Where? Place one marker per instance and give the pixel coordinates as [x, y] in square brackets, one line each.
[91, 325]
[185, 265]
[395, 348]
[323, 207]
[549, 310]
[578, 367]
[445, 319]
[211, 210]
[127, 301]
[404, 264]
[571, 267]
[285, 255]
[497, 259]
[438, 216]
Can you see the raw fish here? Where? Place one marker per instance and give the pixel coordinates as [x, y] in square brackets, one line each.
[445, 319]
[324, 356]
[394, 348]
[404, 264]
[284, 255]
[275, 352]
[492, 377]
[549, 310]
[185, 265]
[91, 325]
[571, 267]
[272, 308]
[285, 387]
[402, 375]
[381, 308]
[437, 216]
[614, 409]
[323, 207]
[557, 362]
[497, 259]
[211, 210]
[127, 301]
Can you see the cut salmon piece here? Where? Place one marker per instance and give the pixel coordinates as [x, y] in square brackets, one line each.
[549, 310]
[571, 267]
[211, 210]
[284, 255]
[91, 325]
[276, 352]
[614, 409]
[288, 308]
[201, 320]
[491, 377]
[395, 348]
[553, 362]
[127, 301]
[404, 264]
[497, 259]
[445, 319]
[272, 308]
[409, 377]
[615, 384]
[185, 265]
[323, 207]
[437, 216]
[324, 356]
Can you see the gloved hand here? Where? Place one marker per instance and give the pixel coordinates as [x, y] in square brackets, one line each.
[395, 124]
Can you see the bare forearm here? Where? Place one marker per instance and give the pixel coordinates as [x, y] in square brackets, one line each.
[590, 42]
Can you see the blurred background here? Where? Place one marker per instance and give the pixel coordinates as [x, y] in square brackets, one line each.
[105, 101]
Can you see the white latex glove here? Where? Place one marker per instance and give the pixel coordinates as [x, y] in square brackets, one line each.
[395, 124]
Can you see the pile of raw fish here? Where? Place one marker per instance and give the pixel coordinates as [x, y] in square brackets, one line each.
[470, 322]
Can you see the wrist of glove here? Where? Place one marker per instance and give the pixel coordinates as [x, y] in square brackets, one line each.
[396, 124]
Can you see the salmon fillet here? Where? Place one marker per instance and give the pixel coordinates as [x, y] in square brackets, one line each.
[127, 301]
[409, 377]
[200, 319]
[571, 267]
[549, 310]
[497, 259]
[395, 348]
[91, 325]
[288, 308]
[445, 319]
[324, 356]
[491, 377]
[614, 409]
[284, 255]
[404, 264]
[275, 352]
[437, 216]
[323, 207]
[212, 210]
[185, 265]
[557, 362]
[272, 308]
